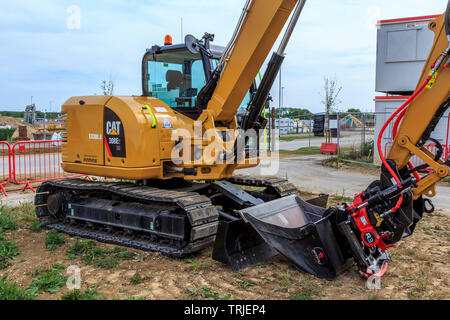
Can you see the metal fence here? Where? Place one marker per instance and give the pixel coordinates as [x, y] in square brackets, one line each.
[5, 176]
[351, 129]
[27, 162]
[354, 130]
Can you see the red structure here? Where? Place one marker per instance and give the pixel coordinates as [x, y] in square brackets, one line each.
[329, 148]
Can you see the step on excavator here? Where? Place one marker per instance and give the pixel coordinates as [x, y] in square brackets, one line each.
[173, 151]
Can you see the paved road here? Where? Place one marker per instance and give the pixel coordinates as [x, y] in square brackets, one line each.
[301, 143]
[307, 174]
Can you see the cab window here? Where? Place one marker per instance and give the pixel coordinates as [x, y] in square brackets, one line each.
[176, 83]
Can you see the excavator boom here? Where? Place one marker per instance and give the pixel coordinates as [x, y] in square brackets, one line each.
[257, 31]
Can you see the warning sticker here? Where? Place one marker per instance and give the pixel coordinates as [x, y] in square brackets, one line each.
[167, 124]
[432, 81]
[160, 109]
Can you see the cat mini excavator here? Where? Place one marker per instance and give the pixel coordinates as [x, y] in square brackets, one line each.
[179, 143]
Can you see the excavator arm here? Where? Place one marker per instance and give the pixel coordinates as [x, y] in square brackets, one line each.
[324, 242]
[420, 115]
[256, 33]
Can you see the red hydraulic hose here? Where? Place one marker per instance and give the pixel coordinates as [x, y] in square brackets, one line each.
[402, 108]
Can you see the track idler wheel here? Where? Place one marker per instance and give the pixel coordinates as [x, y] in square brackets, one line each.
[56, 206]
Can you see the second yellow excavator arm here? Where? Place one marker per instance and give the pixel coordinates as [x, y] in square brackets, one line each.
[420, 117]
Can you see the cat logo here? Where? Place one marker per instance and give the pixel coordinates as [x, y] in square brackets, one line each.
[113, 128]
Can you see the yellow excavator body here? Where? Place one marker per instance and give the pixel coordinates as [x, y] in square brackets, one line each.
[133, 137]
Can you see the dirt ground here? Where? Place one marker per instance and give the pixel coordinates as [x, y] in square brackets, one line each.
[351, 166]
[31, 128]
[419, 270]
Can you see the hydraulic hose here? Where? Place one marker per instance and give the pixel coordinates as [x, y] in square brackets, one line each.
[447, 21]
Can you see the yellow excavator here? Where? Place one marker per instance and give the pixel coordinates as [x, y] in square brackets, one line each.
[174, 149]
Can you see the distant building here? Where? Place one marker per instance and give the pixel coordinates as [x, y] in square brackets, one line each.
[402, 49]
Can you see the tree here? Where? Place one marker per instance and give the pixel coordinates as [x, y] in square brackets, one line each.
[354, 110]
[330, 97]
[108, 87]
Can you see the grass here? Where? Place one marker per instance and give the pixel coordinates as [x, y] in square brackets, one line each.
[54, 240]
[34, 226]
[342, 197]
[207, 293]
[90, 253]
[193, 262]
[78, 295]
[136, 279]
[48, 280]
[302, 151]
[244, 284]
[302, 295]
[353, 156]
[8, 250]
[12, 291]
[298, 137]
[7, 221]
[308, 290]
[25, 212]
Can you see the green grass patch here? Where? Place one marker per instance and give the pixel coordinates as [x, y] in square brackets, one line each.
[90, 253]
[24, 212]
[302, 295]
[79, 295]
[48, 280]
[8, 250]
[302, 151]
[308, 290]
[136, 279]
[34, 226]
[11, 218]
[193, 262]
[244, 284]
[7, 220]
[54, 240]
[207, 293]
[12, 291]
[298, 137]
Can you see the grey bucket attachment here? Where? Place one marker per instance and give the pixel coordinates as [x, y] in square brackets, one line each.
[301, 232]
[239, 245]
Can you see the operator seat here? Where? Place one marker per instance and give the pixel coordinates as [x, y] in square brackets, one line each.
[174, 80]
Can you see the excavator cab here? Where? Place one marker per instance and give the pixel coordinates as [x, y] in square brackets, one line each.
[176, 73]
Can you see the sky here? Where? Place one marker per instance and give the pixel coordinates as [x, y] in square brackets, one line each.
[49, 54]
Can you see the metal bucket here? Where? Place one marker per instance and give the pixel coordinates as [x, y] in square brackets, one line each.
[301, 232]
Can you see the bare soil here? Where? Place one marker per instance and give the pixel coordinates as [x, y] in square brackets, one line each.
[419, 270]
[351, 166]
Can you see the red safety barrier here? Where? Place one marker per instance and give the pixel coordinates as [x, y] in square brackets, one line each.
[37, 161]
[329, 148]
[5, 177]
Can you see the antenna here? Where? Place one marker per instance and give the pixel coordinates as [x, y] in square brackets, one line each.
[182, 37]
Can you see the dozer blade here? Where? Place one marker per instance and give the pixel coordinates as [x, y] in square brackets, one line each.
[239, 245]
[302, 233]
